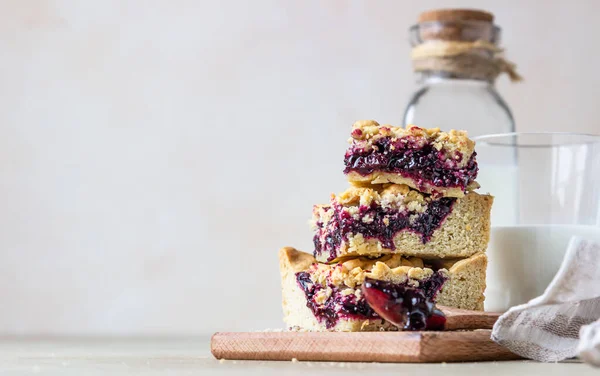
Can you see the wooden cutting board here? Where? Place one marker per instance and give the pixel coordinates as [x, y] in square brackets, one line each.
[400, 347]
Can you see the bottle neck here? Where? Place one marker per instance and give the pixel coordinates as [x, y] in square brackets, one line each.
[444, 78]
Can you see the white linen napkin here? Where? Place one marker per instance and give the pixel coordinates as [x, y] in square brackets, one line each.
[562, 323]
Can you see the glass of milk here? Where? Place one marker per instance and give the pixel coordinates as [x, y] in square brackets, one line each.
[547, 189]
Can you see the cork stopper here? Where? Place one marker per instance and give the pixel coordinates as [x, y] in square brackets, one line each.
[459, 43]
[446, 15]
[456, 25]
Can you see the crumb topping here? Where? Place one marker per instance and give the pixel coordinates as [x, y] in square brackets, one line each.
[397, 196]
[352, 272]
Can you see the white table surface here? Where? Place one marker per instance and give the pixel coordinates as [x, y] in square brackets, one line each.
[102, 356]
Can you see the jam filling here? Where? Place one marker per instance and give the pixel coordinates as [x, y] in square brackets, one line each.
[383, 225]
[337, 305]
[424, 165]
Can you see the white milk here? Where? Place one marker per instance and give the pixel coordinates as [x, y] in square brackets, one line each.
[503, 180]
[524, 259]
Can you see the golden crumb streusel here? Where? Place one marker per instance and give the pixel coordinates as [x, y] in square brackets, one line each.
[396, 196]
[352, 272]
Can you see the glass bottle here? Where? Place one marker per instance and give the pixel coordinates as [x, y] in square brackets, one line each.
[456, 93]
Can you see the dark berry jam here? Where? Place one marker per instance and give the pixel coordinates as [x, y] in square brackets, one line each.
[415, 303]
[411, 308]
[335, 306]
[385, 224]
[424, 165]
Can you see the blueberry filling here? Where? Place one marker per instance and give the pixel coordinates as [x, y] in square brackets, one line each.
[383, 225]
[336, 306]
[424, 165]
[416, 301]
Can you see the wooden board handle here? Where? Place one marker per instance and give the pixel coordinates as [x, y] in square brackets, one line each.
[461, 319]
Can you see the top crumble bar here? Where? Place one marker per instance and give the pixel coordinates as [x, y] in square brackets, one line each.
[429, 160]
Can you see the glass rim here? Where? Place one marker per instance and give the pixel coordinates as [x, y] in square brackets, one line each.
[414, 31]
[583, 139]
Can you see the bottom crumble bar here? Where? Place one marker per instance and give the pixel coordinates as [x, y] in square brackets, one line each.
[324, 297]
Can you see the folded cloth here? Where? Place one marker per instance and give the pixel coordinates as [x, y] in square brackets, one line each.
[548, 327]
[589, 343]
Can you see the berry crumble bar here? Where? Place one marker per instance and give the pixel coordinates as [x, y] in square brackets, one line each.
[428, 160]
[323, 297]
[394, 218]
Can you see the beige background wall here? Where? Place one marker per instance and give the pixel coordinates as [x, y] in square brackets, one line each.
[155, 155]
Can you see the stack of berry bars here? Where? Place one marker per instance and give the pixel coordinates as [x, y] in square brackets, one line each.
[410, 223]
